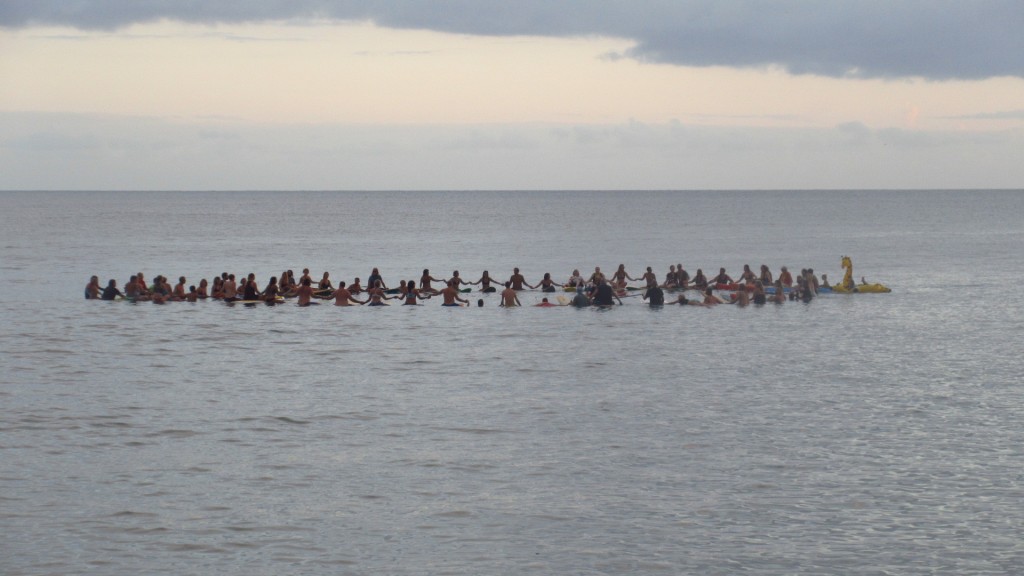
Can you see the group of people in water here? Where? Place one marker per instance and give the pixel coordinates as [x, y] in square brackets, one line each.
[596, 289]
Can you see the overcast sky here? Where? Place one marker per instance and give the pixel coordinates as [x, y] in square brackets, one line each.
[472, 94]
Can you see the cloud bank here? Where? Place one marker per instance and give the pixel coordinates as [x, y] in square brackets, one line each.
[78, 151]
[934, 39]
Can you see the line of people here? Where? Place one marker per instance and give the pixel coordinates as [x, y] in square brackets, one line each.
[596, 288]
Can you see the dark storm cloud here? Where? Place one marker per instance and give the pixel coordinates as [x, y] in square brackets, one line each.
[936, 39]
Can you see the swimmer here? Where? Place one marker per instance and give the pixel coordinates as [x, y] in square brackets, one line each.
[508, 295]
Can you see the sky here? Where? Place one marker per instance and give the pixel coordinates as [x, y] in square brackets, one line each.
[532, 94]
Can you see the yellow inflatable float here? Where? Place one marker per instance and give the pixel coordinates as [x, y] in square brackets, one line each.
[848, 286]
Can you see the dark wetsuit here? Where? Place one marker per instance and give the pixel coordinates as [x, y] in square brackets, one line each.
[249, 293]
[655, 295]
[603, 295]
[109, 293]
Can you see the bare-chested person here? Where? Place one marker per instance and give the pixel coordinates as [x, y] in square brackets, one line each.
[650, 278]
[355, 287]
[230, 289]
[304, 291]
[178, 294]
[342, 296]
[508, 295]
[450, 293]
[517, 280]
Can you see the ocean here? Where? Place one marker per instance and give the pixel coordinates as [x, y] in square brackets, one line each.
[867, 433]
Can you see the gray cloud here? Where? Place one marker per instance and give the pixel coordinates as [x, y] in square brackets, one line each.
[936, 39]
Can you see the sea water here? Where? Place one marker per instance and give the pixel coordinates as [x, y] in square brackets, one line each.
[868, 434]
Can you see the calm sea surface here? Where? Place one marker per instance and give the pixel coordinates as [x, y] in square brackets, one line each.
[861, 434]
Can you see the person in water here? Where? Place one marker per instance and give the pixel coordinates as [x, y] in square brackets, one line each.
[376, 294]
[485, 282]
[92, 289]
[700, 282]
[271, 291]
[722, 278]
[517, 280]
[670, 279]
[509, 298]
[786, 278]
[747, 276]
[604, 295]
[650, 278]
[342, 296]
[655, 295]
[709, 297]
[758, 295]
[580, 300]
[304, 291]
[545, 304]
[325, 286]
[450, 294]
[374, 280]
[547, 284]
[111, 291]
[682, 277]
[425, 281]
[412, 294]
[620, 276]
[780, 293]
[250, 291]
[575, 279]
